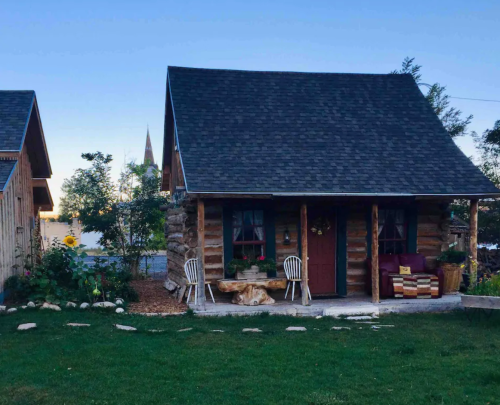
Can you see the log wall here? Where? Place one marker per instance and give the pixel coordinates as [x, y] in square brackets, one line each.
[286, 216]
[16, 218]
[433, 229]
[356, 250]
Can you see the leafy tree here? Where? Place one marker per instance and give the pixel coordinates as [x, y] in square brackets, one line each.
[451, 117]
[488, 146]
[126, 214]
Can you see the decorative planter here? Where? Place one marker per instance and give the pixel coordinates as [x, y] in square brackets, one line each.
[452, 277]
[480, 301]
[253, 273]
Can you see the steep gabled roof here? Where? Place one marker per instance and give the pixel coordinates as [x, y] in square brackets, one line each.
[6, 169]
[20, 124]
[313, 133]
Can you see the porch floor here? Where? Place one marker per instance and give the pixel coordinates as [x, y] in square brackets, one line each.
[359, 305]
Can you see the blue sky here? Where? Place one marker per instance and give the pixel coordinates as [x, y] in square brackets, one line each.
[99, 67]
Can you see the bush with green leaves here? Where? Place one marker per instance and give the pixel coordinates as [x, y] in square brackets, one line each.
[489, 286]
[452, 256]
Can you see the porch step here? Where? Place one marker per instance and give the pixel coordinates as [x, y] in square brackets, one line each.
[352, 310]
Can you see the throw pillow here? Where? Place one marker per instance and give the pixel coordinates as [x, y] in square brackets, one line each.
[404, 270]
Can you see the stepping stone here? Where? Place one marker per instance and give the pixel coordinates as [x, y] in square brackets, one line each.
[217, 330]
[185, 330]
[340, 328]
[319, 317]
[10, 310]
[119, 310]
[368, 322]
[385, 326]
[26, 326]
[124, 327]
[24, 307]
[155, 330]
[78, 324]
[3, 308]
[359, 318]
[251, 330]
[296, 329]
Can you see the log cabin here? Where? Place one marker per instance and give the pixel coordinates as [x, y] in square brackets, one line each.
[257, 162]
[24, 170]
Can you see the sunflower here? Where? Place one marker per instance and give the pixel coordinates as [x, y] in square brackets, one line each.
[70, 241]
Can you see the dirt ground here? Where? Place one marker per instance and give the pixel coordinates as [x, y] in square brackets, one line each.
[153, 297]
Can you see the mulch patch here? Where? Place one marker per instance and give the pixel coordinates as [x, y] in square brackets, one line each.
[153, 297]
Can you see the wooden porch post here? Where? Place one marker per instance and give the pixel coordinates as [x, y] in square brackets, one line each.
[374, 258]
[473, 229]
[303, 239]
[201, 255]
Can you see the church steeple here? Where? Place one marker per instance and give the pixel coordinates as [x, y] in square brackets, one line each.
[148, 153]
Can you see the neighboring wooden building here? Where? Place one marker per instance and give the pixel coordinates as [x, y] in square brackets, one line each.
[267, 156]
[459, 234]
[24, 168]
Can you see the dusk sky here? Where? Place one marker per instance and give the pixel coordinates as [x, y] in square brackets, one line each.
[99, 68]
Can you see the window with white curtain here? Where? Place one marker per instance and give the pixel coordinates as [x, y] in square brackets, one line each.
[248, 234]
[392, 231]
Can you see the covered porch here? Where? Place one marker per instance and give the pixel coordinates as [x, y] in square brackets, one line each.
[334, 265]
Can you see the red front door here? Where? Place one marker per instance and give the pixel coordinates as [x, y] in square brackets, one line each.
[321, 252]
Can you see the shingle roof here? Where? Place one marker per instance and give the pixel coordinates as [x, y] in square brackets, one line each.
[15, 108]
[284, 132]
[6, 168]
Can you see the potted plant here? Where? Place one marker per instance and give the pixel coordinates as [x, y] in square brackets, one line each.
[485, 293]
[451, 261]
[248, 269]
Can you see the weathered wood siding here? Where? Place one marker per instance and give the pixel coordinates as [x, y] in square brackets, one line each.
[16, 218]
[356, 250]
[433, 228]
[286, 216]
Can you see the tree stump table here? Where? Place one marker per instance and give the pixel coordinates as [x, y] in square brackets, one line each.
[252, 292]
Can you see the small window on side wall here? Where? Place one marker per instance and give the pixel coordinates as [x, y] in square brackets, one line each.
[392, 231]
[249, 237]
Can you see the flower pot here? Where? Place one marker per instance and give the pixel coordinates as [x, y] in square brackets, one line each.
[452, 277]
[252, 273]
[480, 301]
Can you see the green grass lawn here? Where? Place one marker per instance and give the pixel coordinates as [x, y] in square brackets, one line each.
[425, 359]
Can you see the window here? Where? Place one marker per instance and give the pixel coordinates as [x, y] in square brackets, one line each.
[248, 233]
[391, 231]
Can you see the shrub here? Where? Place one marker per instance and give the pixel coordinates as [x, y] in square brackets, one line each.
[18, 287]
[452, 256]
[486, 286]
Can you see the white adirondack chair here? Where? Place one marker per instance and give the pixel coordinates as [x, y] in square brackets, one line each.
[293, 271]
[191, 270]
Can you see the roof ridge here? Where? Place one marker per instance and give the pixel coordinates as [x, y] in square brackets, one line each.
[289, 72]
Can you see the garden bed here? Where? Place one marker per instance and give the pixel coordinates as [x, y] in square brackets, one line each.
[154, 298]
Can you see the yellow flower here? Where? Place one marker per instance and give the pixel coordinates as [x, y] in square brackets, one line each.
[70, 241]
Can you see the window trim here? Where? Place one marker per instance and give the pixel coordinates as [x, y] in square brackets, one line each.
[404, 240]
[242, 226]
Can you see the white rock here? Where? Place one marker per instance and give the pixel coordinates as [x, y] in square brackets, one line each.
[31, 304]
[319, 317]
[170, 285]
[26, 326]
[296, 329]
[185, 330]
[119, 301]
[10, 310]
[359, 318]
[54, 307]
[217, 330]
[119, 310]
[124, 327]
[3, 308]
[385, 326]
[84, 305]
[251, 330]
[105, 304]
[78, 324]
[155, 330]
[70, 304]
[368, 322]
[340, 328]
[24, 307]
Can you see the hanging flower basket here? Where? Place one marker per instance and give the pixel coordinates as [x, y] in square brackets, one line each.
[320, 226]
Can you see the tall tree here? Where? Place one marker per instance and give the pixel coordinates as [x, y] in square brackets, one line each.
[126, 214]
[452, 119]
